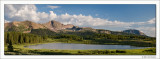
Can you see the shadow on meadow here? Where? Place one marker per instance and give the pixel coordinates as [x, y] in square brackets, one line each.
[18, 51]
[48, 52]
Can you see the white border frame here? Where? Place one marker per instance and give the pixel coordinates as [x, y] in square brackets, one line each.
[81, 2]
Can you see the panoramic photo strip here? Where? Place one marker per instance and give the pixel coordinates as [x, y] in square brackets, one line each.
[80, 29]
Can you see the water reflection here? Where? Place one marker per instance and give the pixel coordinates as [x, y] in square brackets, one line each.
[81, 46]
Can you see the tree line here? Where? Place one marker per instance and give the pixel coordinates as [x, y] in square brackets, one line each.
[89, 35]
[20, 38]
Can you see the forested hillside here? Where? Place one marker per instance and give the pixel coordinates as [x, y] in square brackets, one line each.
[99, 38]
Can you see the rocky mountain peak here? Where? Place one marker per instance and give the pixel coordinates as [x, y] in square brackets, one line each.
[55, 25]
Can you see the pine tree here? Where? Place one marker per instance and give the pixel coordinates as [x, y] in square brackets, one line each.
[26, 39]
[5, 38]
[10, 47]
[21, 39]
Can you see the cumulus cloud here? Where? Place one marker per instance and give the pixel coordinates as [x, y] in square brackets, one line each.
[152, 21]
[26, 12]
[82, 20]
[53, 7]
[150, 31]
[29, 12]
[21, 12]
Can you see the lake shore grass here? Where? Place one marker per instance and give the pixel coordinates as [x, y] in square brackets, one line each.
[19, 49]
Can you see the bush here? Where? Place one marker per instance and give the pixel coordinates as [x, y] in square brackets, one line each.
[107, 51]
[150, 50]
[119, 51]
[113, 52]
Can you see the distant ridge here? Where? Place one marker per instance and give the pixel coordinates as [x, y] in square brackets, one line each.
[55, 26]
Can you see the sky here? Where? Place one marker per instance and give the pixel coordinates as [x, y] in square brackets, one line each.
[115, 17]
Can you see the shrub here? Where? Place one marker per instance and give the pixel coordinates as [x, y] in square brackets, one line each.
[107, 51]
[119, 51]
[113, 52]
[150, 50]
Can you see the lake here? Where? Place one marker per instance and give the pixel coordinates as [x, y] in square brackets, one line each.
[70, 46]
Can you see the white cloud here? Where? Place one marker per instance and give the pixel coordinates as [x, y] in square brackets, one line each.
[26, 12]
[52, 15]
[21, 12]
[53, 7]
[29, 12]
[81, 20]
[6, 21]
[150, 31]
[152, 21]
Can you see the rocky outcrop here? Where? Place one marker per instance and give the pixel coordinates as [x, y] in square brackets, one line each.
[54, 25]
[133, 31]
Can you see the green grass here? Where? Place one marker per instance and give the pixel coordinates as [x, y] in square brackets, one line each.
[21, 50]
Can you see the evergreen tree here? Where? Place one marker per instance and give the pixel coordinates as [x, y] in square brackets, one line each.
[27, 39]
[5, 38]
[10, 47]
[21, 39]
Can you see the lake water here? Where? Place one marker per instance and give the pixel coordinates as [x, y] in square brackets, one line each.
[71, 46]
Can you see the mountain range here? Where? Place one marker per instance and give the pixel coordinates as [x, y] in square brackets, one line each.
[55, 26]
